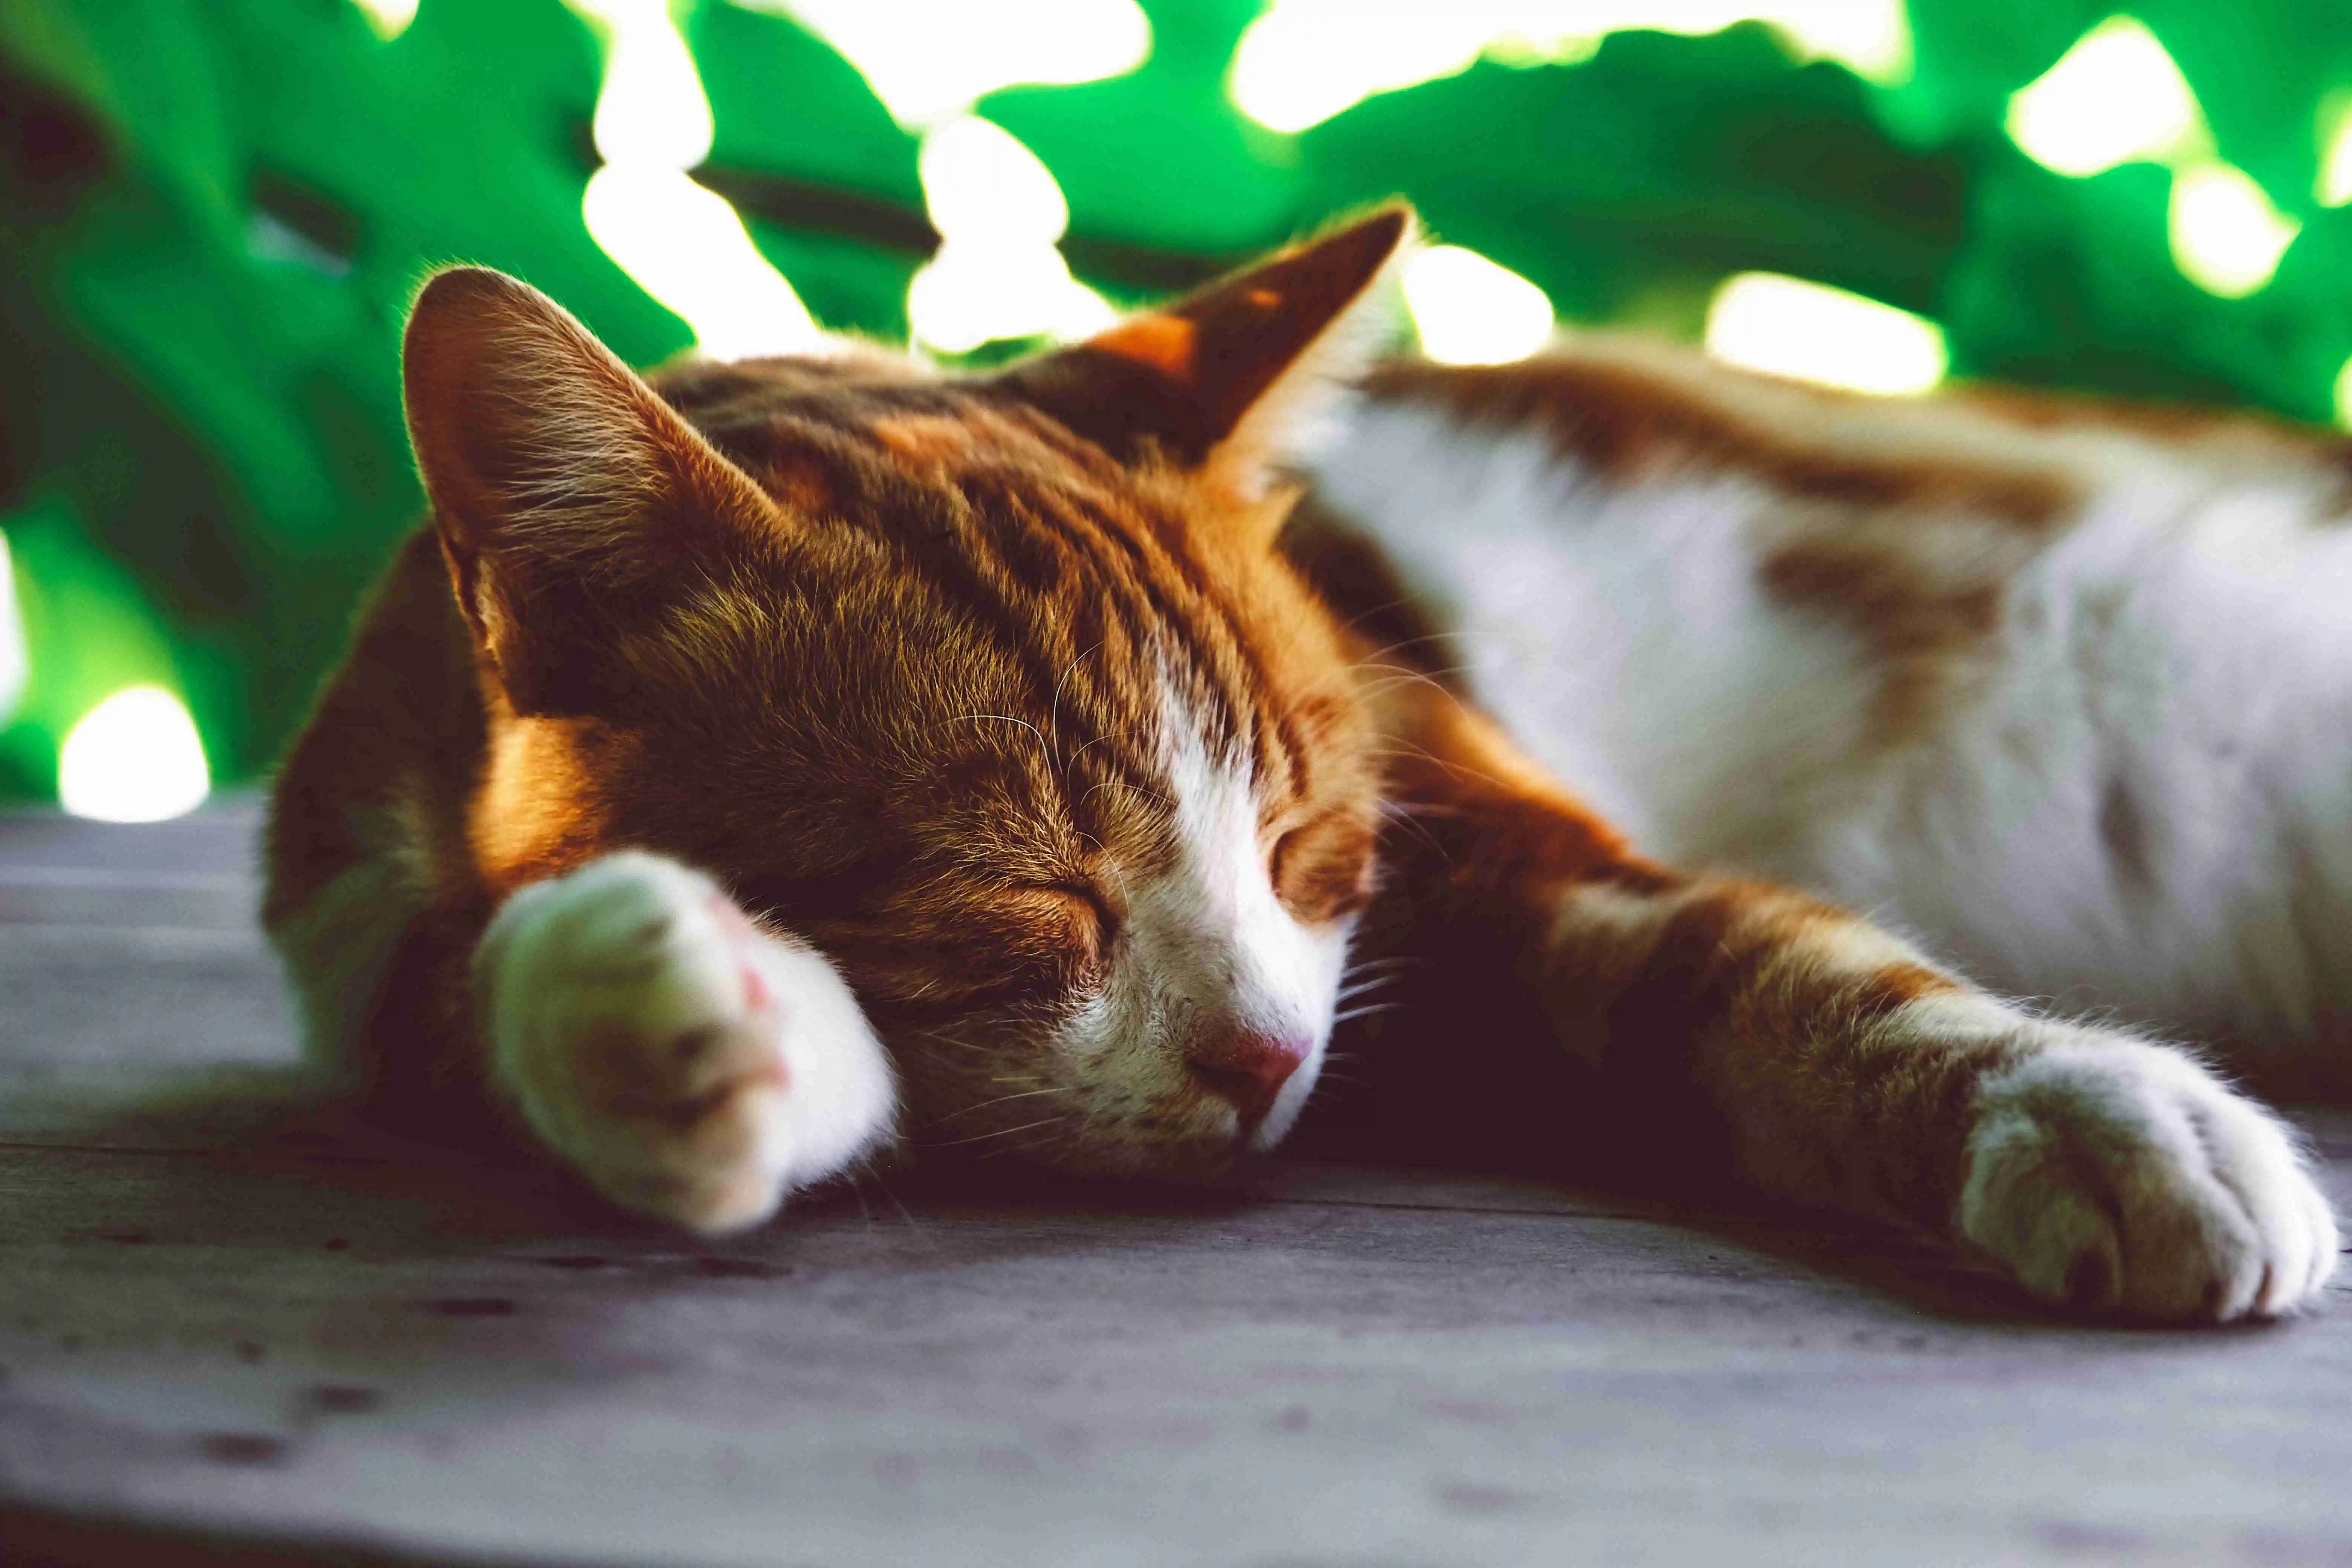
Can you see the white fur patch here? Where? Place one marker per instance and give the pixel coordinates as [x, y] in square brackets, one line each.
[2139, 798]
[617, 996]
[2110, 1173]
[1622, 636]
[1208, 949]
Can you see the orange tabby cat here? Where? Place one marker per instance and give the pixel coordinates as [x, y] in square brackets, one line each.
[770, 762]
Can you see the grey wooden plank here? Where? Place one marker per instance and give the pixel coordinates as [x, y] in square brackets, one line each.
[213, 1316]
[1228, 1382]
[221, 838]
[202, 901]
[202, 871]
[131, 971]
[139, 997]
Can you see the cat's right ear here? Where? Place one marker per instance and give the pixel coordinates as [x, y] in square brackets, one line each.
[1229, 381]
[566, 493]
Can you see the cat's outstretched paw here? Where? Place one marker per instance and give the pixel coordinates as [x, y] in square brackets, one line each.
[2115, 1176]
[690, 1065]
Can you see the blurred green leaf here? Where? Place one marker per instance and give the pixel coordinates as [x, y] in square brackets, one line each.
[213, 214]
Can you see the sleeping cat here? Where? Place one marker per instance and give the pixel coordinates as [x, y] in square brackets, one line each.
[765, 765]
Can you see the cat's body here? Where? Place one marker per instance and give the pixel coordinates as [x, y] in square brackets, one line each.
[2054, 686]
[809, 757]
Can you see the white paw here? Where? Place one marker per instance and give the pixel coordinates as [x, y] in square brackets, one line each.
[2112, 1175]
[690, 1065]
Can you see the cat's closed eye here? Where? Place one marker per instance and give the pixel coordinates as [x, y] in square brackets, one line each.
[1076, 917]
[1321, 868]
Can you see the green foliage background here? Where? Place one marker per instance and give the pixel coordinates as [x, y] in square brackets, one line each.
[212, 213]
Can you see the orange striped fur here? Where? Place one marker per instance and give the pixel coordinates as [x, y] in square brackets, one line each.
[762, 766]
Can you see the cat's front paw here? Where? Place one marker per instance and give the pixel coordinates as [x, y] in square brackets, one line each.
[690, 1065]
[2115, 1176]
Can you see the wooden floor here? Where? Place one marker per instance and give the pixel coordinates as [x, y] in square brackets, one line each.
[227, 1327]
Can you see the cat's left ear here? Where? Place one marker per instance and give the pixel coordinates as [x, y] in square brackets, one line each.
[1229, 379]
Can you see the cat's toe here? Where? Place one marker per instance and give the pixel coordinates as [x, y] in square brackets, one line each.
[2109, 1174]
[689, 1065]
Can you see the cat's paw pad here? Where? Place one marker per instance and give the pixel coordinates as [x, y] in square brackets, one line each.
[691, 1066]
[2113, 1175]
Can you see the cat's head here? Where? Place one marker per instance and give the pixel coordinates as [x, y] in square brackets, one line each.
[995, 689]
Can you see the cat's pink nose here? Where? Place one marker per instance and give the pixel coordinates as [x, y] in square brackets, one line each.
[1246, 1069]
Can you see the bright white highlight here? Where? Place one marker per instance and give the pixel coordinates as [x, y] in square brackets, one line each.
[15, 660]
[650, 111]
[678, 242]
[2115, 98]
[1470, 311]
[997, 273]
[135, 757]
[1787, 326]
[389, 18]
[2226, 238]
[1305, 60]
[982, 186]
[687, 248]
[1870, 38]
[2334, 186]
[927, 61]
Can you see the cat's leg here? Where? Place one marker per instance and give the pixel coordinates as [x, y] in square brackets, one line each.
[2099, 1169]
[690, 1064]
[1832, 1065]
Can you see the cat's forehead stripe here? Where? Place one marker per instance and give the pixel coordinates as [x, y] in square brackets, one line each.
[1032, 538]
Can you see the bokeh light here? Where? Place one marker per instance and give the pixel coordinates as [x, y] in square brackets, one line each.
[2226, 238]
[1470, 311]
[650, 111]
[135, 757]
[981, 185]
[680, 243]
[687, 247]
[389, 18]
[1305, 60]
[1787, 326]
[997, 273]
[926, 60]
[2343, 395]
[2334, 186]
[2115, 98]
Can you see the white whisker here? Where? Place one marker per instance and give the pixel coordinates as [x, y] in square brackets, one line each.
[1006, 1132]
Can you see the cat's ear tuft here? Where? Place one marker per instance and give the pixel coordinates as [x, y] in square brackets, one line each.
[561, 485]
[1231, 379]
